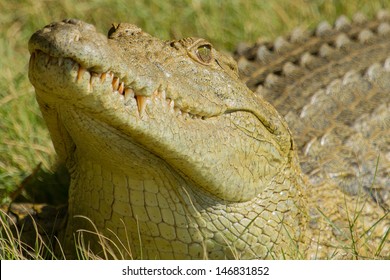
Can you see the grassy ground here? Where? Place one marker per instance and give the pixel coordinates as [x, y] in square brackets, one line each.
[25, 142]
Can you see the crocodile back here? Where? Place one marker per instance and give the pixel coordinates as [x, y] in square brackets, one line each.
[332, 86]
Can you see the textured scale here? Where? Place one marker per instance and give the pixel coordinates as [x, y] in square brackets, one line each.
[337, 107]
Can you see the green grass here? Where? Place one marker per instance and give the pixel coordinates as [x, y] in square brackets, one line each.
[25, 142]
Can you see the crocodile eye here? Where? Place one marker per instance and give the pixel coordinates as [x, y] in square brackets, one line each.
[203, 53]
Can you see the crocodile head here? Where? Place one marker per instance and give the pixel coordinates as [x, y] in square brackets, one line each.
[179, 100]
[130, 100]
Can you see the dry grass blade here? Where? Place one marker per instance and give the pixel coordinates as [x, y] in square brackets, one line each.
[12, 245]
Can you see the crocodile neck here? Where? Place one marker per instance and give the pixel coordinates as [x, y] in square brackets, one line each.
[165, 217]
[162, 214]
[146, 208]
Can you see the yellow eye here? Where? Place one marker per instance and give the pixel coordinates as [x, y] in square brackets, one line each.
[203, 52]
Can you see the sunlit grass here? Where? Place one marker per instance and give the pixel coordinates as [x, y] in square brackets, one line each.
[12, 245]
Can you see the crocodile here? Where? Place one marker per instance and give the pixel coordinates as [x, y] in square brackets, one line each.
[172, 156]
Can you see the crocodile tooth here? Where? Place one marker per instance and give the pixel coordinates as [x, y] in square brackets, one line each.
[80, 73]
[156, 95]
[129, 94]
[90, 87]
[141, 103]
[115, 83]
[163, 95]
[171, 105]
[60, 61]
[121, 87]
[177, 111]
[47, 60]
[103, 77]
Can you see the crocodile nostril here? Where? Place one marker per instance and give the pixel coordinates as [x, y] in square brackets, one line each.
[46, 30]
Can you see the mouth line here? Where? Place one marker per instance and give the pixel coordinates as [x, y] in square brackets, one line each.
[124, 92]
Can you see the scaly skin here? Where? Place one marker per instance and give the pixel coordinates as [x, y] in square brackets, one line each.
[332, 86]
[169, 151]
